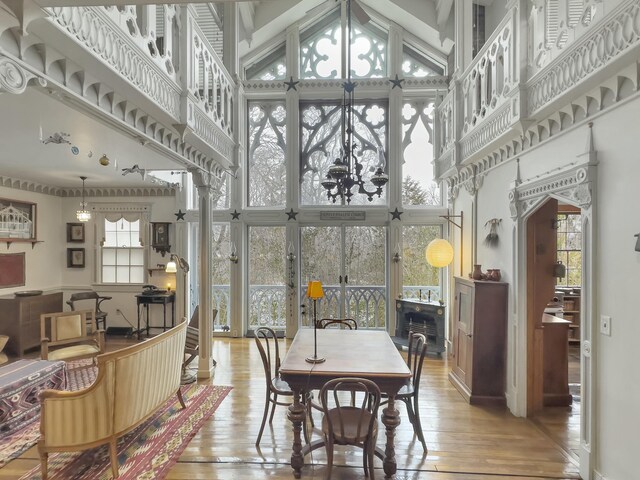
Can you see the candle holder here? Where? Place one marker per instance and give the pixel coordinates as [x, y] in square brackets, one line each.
[314, 292]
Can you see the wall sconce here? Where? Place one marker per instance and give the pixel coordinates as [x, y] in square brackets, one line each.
[559, 270]
[233, 256]
[637, 235]
[291, 257]
[396, 255]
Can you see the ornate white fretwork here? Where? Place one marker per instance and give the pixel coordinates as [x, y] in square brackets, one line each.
[616, 35]
[94, 28]
[14, 78]
[573, 183]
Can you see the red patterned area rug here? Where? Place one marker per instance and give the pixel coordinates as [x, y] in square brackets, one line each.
[80, 374]
[149, 451]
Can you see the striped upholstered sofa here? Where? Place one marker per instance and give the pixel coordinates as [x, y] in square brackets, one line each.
[131, 384]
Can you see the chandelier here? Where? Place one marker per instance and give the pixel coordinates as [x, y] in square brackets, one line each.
[346, 173]
[83, 215]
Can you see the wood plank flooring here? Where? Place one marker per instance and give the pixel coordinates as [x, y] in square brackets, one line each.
[465, 442]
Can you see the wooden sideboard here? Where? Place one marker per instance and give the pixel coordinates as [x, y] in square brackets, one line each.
[480, 340]
[20, 319]
[421, 317]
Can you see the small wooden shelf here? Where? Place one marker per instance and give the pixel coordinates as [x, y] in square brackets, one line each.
[574, 340]
[151, 270]
[9, 241]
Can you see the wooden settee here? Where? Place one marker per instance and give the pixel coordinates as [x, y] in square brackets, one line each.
[131, 384]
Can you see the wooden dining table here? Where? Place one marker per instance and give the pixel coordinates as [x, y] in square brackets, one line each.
[368, 354]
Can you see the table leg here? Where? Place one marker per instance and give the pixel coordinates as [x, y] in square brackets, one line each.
[148, 326]
[138, 320]
[164, 317]
[390, 419]
[297, 415]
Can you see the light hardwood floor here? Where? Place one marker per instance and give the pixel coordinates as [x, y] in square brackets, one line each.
[465, 442]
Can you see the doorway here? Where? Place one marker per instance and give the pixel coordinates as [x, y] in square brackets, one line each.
[349, 261]
[554, 284]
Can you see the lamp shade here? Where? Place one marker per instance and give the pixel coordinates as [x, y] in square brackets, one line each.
[314, 290]
[171, 267]
[439, 253]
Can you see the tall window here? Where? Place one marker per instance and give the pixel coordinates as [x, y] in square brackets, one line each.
[321, 144]
[418, 183]
[570, 248]
[267, 144]
[122, 252]
[267, 289]
[419, 279]
[220, 274]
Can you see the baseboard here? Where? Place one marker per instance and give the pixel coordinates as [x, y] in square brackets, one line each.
[124, 331]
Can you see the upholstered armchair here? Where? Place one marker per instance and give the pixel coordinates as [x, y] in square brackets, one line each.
[64, 336]
[3, 356]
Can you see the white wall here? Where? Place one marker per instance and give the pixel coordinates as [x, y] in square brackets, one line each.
[617, 381]
[44, 262]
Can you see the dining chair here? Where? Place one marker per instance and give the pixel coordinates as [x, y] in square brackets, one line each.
[347, 424]
[267, 344]
[349, 323]
[90, 297]
[409, 393]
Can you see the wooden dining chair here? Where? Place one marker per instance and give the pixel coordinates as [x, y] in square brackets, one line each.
[347, 424]
[349, 323]
[267, 344]
[409, 393]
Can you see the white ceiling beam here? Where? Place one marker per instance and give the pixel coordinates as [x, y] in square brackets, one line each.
[93, 3]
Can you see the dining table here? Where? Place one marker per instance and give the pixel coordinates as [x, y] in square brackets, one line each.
[369, 354]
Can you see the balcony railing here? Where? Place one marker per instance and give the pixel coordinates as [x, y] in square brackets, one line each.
[161, 51]
[267, 304]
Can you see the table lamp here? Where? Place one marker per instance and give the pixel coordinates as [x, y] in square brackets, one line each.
[314, 292]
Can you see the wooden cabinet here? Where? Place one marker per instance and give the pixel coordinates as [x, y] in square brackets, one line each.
[555, 384]
[20, 319]
[479, 340]
[572, 314]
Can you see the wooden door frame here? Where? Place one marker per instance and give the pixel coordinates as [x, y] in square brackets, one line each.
[575, 185]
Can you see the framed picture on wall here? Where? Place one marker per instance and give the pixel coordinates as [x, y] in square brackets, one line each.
[75, 232]
[17, 220]
[75, 257]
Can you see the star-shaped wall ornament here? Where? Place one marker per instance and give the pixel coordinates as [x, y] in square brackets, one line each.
[396, 82]
[291, 214]
[180, 215]
[349, 86]
[291, 84]
[235, 215]
[395, 215]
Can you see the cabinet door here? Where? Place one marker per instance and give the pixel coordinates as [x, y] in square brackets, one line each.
[463, 325]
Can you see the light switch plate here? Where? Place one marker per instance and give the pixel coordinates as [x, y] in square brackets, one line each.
[605, 325]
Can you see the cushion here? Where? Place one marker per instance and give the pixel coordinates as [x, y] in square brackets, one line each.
[3, 358]
[73, 352]
[3, 341]
[69, 326]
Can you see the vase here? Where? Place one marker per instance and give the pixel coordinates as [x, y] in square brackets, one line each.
[477, 272]
[495, 275]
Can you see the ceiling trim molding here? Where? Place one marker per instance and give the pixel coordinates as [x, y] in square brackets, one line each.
[29, 186]
[97, 192]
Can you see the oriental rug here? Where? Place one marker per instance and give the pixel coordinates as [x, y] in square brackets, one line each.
[147, 452]
[79, 374]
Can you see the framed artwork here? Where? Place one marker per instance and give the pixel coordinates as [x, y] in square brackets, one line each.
[75, 232]
[17, 220]
[75, 257]
[12, 270]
